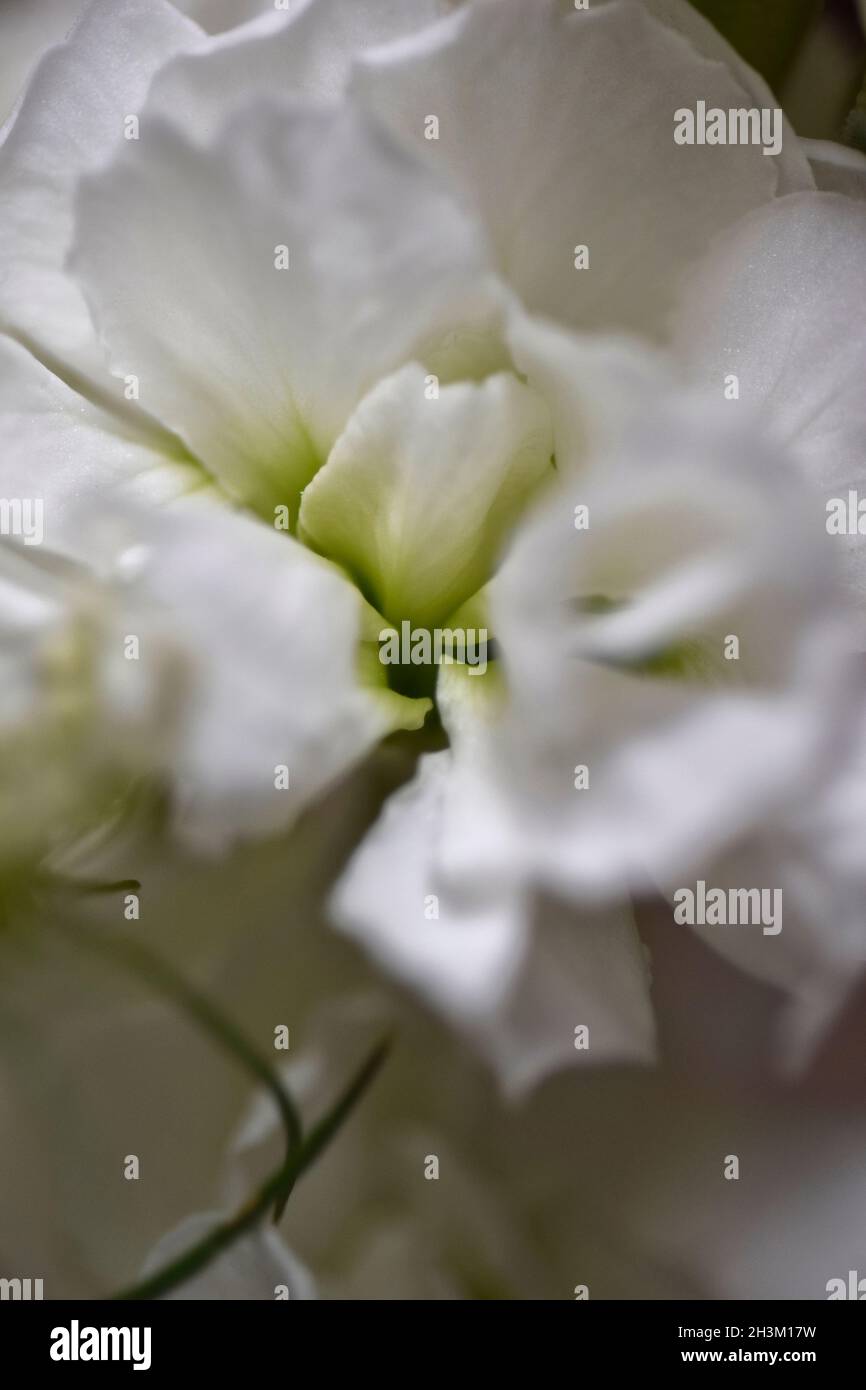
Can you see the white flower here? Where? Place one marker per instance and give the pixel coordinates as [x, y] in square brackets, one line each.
[78, 722]
[332, 258]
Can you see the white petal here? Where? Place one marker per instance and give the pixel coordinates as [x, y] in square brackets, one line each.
[837, 168]
[457, 949]
[71, 118]
[697, 532]
[258, 367]
[517, 976]
[57, 448]
[594, 386]
[775, 303]
[813, 858]
[305, 51]
[582, 971]
[271, 633]
[792, 163]
[419, 494]
[559, 129]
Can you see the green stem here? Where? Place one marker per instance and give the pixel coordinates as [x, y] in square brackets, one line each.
[88, 887]
[300, 1152]
[273, 1190]
[156, 971]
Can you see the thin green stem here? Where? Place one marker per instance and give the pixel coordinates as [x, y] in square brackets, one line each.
[273, 1190]
[88, 888]
[155, 971]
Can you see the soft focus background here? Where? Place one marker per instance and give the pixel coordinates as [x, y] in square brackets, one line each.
[609, 1178]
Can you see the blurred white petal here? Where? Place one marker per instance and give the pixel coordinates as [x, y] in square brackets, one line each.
[534, 139]
[304, 51]
[458, 948]
[772, 303]
[71, 118]
[518, 976]
[683, 17]
[271, 635]
[837, 168]
[72, 456]
[255, 366]
[698, 532]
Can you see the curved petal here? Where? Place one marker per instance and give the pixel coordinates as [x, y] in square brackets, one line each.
[594, 386]
[304, 51]
[421, 489]
[70, 119]
[813, 859]
[775, 303]
[258, 287]
[637, 740]
[559, 129]
[792, 162]
[66, 454]
[837, 168]
[520, 977]
[458, 950]
[582, 998]
[275, 706]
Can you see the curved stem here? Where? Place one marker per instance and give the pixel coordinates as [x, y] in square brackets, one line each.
[300, 1152]
[274, 1190]
[156, 971]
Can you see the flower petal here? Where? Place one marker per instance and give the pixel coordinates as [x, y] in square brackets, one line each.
[585, 380]
[276, 709]
[58, 449]
[518, 976]
[257, 287]
[420, 490]
[614, 638]
[552, 129]
[306, 51]
[457, 950]
[837, 168]
[773, 303]
[70, 119]
[582, 998]
[683, 17]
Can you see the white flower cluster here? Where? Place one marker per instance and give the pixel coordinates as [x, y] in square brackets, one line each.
[364, 314]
